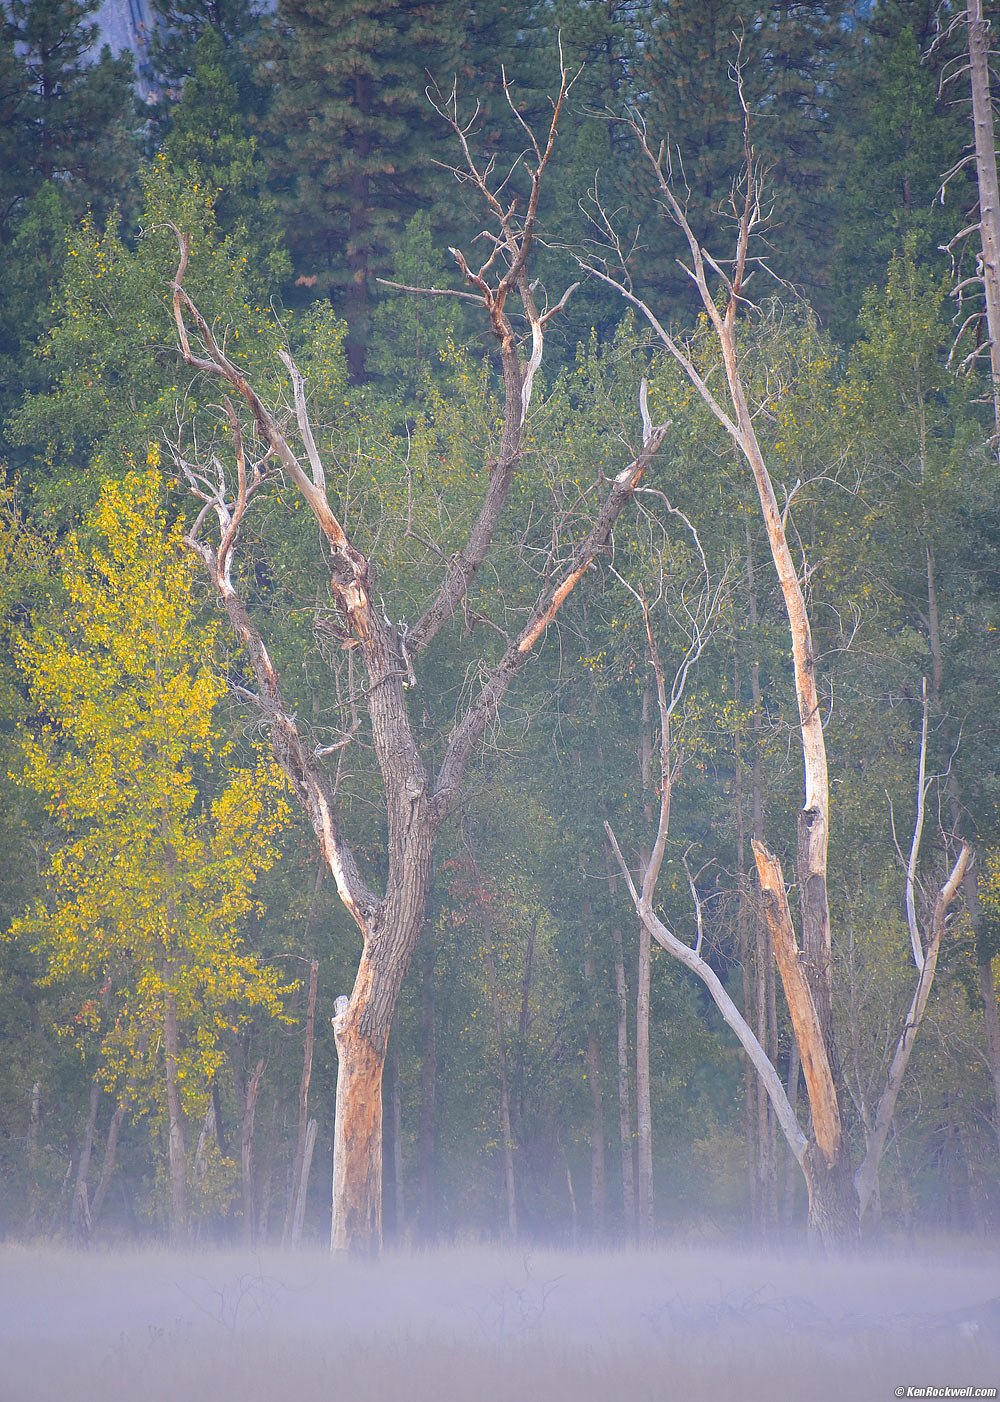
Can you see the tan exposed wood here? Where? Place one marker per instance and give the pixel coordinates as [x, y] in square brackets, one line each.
[823, 1101]
[357, 1135]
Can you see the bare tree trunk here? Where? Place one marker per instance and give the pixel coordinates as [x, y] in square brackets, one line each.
[989, 187]
[833, 1203]
[357, 1137]
[988, 991]
[598, 1172]
[110, 1158]
[302, 1191]
[267, 1179]
[246, 1152]
[506, 1131]
[176, 1146]
[416, 799]
[791, 1164]
[80, 1219]
[644, 1115]
[626, 1142]
[34, 1125]
[307, 1063]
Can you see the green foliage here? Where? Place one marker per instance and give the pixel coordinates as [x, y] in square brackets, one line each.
[70, 115]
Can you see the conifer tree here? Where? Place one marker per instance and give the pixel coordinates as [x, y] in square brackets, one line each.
[73, 112]
[902, 137]
[352, 136]
[790, 55]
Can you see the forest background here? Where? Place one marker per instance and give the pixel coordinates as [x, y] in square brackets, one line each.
[174, 942]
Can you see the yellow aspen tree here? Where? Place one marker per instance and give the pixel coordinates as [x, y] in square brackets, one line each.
[165, 834]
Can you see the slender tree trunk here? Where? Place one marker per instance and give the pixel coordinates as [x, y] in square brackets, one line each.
[988, 991]
[246, 1154]
[428, 1099]
[110, 1159]
[307, 1064]
[989, 187]
[80, 1219]
[625, 1137]
[302, 1191]
[176, 1145]
[267, 1179]
[506, 1131]
[791, 1163]
[598, 1171]
[34, 1126]
[644, 1116]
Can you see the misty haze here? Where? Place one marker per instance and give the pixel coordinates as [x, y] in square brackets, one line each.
[476, 1323]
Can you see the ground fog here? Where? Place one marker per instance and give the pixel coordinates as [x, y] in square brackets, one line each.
[493, 1326]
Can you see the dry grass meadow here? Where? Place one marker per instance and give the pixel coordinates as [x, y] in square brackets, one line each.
[481, 1325]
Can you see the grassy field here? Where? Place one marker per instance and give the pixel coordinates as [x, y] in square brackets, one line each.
[490, 1326]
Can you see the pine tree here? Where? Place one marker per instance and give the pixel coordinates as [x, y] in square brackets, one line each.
[208, 142]
[73, 113]
[350, 136]
[181, 27]
[901, 138]
[790, 55]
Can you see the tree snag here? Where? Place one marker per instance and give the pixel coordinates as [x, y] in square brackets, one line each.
[806, 969]
[418, 796]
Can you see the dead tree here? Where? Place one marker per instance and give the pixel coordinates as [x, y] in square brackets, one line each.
[982, 285]
[418, 795]
[805, 968]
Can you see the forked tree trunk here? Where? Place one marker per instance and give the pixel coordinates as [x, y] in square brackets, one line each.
[417, 800]
[80, 1219]
[833, 1202]
[109, 1162]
